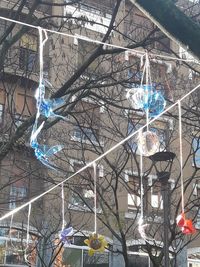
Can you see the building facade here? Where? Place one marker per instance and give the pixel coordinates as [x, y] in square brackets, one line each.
[93, 80]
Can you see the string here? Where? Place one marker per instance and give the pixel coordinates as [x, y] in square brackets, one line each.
[11, 222]
[8, 214]
[81, 37]
[141, 219]
[10, 231]
[141, 225]
[147, 89]
[181, 154]
[44, 107]
[95, 197]
[27, 234]
[41, 50]
[63, 206]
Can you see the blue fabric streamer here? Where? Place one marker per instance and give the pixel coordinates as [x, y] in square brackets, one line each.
[46, 108]
[48, 105]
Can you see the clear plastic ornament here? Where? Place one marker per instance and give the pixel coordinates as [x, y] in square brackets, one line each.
[157, 104]
[148, 143]
[148, 91]
[140, 97]
[136, 97]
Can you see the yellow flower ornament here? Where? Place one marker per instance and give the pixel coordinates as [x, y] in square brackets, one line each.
[96, 243]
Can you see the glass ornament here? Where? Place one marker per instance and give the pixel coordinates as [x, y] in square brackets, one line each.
[136, 97]
[140, 97]
[148, 143]
[156, 104]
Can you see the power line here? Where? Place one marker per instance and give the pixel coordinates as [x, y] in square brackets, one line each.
[97, 159]
[85, 38]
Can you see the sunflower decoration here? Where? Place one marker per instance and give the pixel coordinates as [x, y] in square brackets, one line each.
[96, 243]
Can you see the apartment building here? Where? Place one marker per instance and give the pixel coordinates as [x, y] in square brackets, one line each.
[97, 117]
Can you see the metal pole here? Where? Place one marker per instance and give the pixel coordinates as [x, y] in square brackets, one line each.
[165, 195]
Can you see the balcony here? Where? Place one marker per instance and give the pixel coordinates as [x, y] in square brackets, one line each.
[97, 17]
[25, 63]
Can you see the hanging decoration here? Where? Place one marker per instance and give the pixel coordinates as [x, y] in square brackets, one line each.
[152, 103]
[148, 143]
[96, 242]
[26, 253]
[141, 225]
[156, 104]
[146, 97]
[65, 234]
[184, 224]
[46, 108]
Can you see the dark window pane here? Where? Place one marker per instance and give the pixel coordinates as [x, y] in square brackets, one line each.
[27, 59]
[138, 261]
[98, 260]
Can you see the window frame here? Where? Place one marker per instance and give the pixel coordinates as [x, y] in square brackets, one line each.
[17, 194]
[78, 206]
[196, 151]
[28, 52]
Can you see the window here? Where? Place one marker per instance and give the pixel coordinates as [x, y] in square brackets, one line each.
[196, 149]
[84, 134]
[12, 247]
[133, 197]
[82, 198]
[138, 260]
[134, 78]
[1, 113]
[136, 25]
[196, 201]
[24, 104]
[88, 117]
[3, 26]
[77, 255]
[85, 49]
[28, 52]
[19, 119]
[163, 43]
[82, 194]
[156, 198]
[17, 194]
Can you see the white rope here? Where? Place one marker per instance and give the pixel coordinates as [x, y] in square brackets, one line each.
[63, 206]
[28, 224]
[81, 37]
[141, 219]
[147, 66]
[181, 155]
[41, 51]
[27, 235]
[95, 196]
[99, 158]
